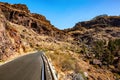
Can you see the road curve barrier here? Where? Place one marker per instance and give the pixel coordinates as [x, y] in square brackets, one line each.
[51, 67]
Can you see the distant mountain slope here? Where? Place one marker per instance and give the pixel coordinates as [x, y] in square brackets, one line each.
[100, 21]
[99, 39]
[102, 27]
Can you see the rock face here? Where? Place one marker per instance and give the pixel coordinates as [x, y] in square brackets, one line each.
[6, 46]
[101, 21]
[102, 27]
[19, 14]
[19, 29]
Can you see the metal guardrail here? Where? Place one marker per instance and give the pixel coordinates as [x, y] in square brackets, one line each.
[52, 72]
[43, 71]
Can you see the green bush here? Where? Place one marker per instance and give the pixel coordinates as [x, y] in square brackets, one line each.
[99, 49]
[107, 52]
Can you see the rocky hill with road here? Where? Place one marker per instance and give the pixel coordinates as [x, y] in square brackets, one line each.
[90, 49]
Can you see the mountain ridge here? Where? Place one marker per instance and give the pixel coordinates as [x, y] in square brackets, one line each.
[98, 21]
[19, 14]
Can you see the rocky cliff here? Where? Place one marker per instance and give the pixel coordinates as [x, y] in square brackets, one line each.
[19, 29]
[101, 21]
[102, 27]
[19, 14]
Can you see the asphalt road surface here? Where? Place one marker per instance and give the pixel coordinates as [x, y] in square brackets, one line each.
[27, 67]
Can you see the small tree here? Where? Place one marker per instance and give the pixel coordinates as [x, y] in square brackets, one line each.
[108, 57]
[99, 49]
[111, 45]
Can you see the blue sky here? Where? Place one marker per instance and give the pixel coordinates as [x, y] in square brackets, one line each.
[65, 13]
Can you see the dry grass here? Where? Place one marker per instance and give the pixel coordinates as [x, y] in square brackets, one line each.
[64, 61]
[61, 54]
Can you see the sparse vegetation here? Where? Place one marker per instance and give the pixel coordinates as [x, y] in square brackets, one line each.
[64, 60]
[61, 54]
[22, 32]
[107, 52]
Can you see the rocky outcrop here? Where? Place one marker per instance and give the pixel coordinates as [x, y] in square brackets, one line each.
[19, 14]
[101, 21]
[4, 40]
[102, 27]
[19, 29]
[18, 7]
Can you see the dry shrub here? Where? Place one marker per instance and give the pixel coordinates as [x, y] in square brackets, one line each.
[64, 61]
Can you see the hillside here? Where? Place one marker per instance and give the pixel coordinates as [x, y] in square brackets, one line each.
[73, 51]
[19, 14]
[16, 16]
[99, 39]
[102, 27]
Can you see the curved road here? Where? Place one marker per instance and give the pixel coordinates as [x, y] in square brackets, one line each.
[27, 67]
